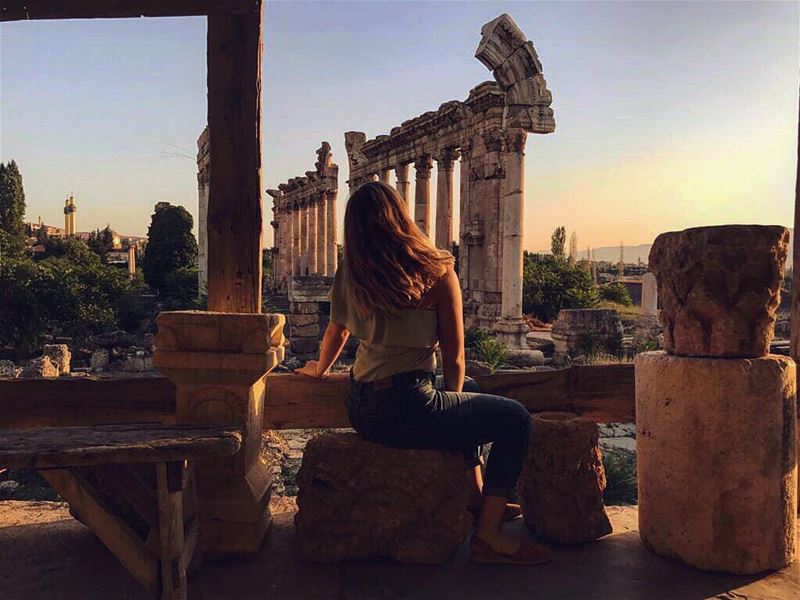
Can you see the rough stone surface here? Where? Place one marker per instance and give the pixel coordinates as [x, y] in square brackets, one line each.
[302, 331]
[717, 464]
[99, 359]
[585, 331]
[304, 346]
[719, 288]
[301, 319]
[525, 358]
[562, 482]
[59, 355]
[358, 499]
[7, 368]
[40, 367]
[477, 368]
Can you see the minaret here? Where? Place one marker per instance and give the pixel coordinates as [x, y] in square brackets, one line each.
[621, 265]
[573, 249]
[69, 216]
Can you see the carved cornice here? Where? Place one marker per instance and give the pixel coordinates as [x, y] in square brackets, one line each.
[446, 157]
[324, 178]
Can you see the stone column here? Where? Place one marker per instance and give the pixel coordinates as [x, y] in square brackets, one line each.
[312, 235]
[304, 262]
[445, 198]
[402, 183]
[511, 328]
[330, 234]
[286, 248]
[322, 232]
[218, 363]
[383, 175]
[716, 414]
[422, 193]
[649, 295]
[296, 252]
[131, 261]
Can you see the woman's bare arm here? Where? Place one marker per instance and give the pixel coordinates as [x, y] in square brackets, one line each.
[332, 343]
[450, 316]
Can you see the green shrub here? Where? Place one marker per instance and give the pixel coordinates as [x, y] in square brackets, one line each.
[473, 335]
[615, 292]
[620, 468]
[492, 352]
[180, 290]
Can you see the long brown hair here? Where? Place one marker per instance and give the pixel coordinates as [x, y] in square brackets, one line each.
[391, 264]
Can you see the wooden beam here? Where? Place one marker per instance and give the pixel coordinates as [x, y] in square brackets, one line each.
[24, 10]
[795, 316]
[113, 532]
[170, 527]
[85, 401]
[234, 201]
[604, 393]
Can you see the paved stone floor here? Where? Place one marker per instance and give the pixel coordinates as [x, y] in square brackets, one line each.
[45, 555]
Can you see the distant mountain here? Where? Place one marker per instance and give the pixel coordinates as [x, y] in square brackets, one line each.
[634, 253]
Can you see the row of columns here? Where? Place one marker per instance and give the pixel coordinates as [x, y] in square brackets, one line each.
[308, 235]
[445, 193]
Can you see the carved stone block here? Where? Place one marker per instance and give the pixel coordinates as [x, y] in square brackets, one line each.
[719, 288]
[562, 482]
[358, 499]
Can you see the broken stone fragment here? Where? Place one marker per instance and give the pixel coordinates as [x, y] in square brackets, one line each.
[562, 481]
[358, 499]
[719, 288]
[40, 367]
[59, 355]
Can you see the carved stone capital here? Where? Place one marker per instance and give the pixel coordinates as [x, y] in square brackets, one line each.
[423, 166]
[446, 158]
[515, 140]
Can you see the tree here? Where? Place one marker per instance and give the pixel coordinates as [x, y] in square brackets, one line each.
[616, 292]
[101, 242]
[558, 241]
[170, 244]
[12, 200]
[549, 284]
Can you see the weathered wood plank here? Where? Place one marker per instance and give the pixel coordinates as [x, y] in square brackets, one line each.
[24, 10]
[53, 447]
[129, 485]
[85, 401]
[170, 525]
[234, 200]
[603, 393]
[114, 533]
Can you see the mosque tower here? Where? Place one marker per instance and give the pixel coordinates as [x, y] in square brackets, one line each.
[69, 216]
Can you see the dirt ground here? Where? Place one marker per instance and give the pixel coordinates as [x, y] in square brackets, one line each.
[47, 555]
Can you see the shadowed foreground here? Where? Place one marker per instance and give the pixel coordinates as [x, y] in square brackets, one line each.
[44, 553]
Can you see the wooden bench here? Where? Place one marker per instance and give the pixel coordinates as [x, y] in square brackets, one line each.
[132, 485]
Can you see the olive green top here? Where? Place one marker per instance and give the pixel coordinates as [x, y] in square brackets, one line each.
[388, 344]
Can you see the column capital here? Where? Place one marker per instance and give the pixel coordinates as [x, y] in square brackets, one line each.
[423, 166]
[515, 140]
[446, 157]
[401, 172]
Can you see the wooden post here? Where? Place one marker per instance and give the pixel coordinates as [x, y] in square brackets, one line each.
[795, 316]
[234, 123]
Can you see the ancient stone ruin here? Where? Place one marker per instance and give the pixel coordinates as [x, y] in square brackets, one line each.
[306, 251]
[562, 482]
[359, 499]
[716, 414]
[586, 331]
[487, 133]
[305, 222]
[203, 184]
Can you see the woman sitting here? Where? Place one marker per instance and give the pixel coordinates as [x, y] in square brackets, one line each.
[400, 296]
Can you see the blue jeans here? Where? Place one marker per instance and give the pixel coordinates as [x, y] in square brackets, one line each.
[415, 413]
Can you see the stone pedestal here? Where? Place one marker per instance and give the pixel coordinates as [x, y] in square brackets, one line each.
[358, 499]
[307, 317]
[562, 482]
[218, 363]
[512, 332]
[716, 459]
[586, 331]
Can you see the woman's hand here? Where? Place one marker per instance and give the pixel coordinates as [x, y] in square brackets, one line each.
[311, 369]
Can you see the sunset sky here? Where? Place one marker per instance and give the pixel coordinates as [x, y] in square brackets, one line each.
[669, 115]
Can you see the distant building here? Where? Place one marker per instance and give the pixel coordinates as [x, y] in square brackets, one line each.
[40, 229]
[69, 216]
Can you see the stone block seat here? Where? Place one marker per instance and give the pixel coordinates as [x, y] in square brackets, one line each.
[358, 499]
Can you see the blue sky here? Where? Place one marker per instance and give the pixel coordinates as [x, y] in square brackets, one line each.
[668, 115]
